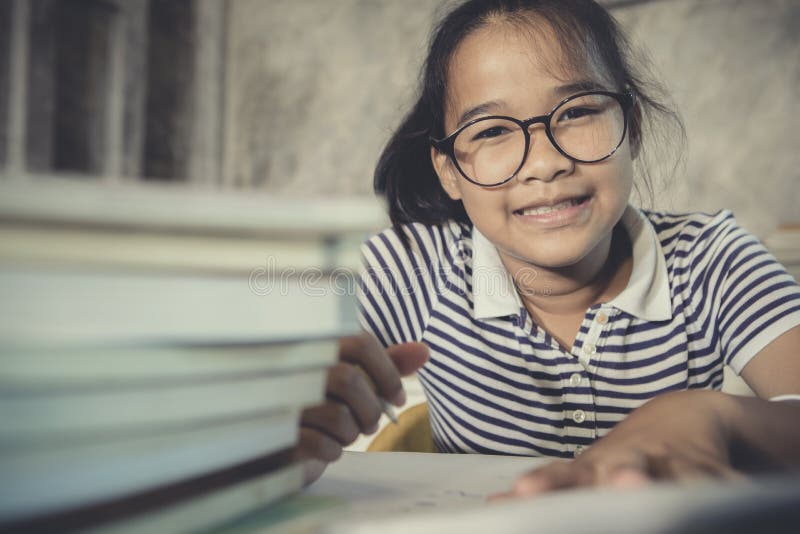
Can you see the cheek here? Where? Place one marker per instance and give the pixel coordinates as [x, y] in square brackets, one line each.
[622, 179]
[617, 175]
[486, 208]
[451, 183]
[626, 179]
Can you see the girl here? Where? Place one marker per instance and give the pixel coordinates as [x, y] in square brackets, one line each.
[554, 311]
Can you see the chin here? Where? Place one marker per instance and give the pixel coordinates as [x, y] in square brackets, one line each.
[553, 257]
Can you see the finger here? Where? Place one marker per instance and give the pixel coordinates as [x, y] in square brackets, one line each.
[313, 444]
[366, 352]
[629, 478]
[382, 367]
[408, 357]
[504, 496]
[348, 385]
[554, 476]
[693, 467]
[622, 469]
[334, 419]
[312, 470]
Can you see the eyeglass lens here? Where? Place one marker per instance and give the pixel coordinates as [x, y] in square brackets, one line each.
[587, 128]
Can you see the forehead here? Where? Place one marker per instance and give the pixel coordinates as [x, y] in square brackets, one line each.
[519, 66]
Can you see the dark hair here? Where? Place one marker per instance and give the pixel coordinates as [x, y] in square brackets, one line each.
[405, 174]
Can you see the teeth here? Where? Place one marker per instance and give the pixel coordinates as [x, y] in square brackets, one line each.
[547, 209]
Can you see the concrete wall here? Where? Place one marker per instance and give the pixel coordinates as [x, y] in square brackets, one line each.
[733, 67]
[315, 87]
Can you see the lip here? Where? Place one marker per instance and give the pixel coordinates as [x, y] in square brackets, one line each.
[558, 218]
[550, 202]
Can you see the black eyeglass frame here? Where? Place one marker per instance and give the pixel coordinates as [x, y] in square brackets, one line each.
[447, 144]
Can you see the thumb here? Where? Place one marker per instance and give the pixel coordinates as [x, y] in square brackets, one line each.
[408, 357]
[558, 474]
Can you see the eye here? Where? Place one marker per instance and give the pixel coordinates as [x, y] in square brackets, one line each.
[488, 133]
[577, 112]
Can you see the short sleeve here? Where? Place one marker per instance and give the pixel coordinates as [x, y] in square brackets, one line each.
[758, 300]
[397, 290]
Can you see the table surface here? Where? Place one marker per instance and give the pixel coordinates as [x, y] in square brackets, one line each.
[442, 493]
[384, 483]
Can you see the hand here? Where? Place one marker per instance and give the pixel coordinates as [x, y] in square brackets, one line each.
[364, 374]
[680, 436]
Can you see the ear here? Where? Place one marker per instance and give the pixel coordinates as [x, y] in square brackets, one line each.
[447, 173]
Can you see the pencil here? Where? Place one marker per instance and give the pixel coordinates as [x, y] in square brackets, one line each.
[389, 410]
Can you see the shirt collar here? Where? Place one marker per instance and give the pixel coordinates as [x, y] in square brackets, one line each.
[495, 294]
[646, 296]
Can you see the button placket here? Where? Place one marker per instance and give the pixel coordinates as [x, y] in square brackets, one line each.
[589, 347]
[581, 420]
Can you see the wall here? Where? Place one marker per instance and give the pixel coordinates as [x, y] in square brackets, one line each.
[733, 68]
[314, 89]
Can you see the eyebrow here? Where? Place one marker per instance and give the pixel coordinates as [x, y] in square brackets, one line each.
[480, 109]
[577, 87]
[561, 91]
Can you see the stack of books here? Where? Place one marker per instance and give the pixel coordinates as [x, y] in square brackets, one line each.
[160, 432]
[152, 378]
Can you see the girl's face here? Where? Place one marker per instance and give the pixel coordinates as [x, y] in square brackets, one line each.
[500, 70]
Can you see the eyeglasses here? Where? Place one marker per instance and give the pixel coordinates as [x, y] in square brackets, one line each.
[586, 127]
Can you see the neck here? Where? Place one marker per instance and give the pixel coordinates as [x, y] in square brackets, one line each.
[599, 277]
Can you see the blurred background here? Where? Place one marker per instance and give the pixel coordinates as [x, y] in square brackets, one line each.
[297, 98]
[216, 140]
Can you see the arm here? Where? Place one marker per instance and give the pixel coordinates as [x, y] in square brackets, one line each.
[688, 434]
[768, 433]
[694, 434]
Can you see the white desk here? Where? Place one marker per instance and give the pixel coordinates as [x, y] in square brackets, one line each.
[379, 484]
[388, 493]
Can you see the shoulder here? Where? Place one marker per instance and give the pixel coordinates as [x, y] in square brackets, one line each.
[686, 225]
[404, 270]
[691, 235]
[421, 244]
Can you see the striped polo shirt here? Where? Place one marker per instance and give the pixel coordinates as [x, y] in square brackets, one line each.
[702, 293]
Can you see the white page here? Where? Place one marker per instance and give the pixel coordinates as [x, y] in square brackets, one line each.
[398, 493]
[381, 483]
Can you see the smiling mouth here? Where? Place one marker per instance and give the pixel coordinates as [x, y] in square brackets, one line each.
[544, 209]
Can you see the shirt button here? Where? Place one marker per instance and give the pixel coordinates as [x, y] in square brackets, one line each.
[589, 349]
[579, 416]
[578, 450]
[575, 379]
[602, 318]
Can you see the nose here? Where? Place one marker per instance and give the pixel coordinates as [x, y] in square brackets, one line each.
[543, 162]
